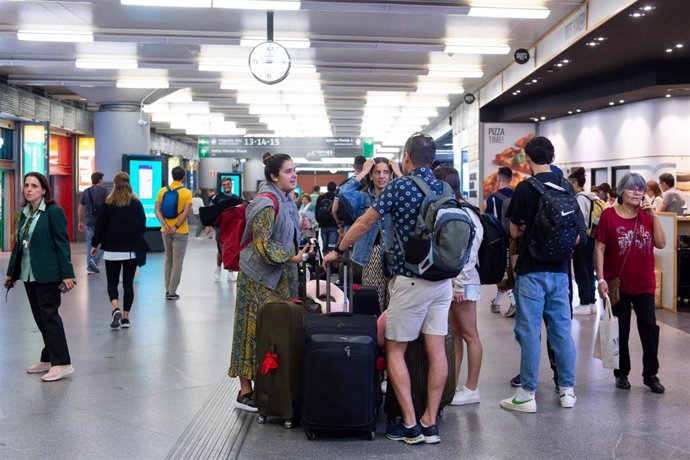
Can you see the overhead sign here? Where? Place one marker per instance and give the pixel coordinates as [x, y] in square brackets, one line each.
[307, 147]
[521, 56]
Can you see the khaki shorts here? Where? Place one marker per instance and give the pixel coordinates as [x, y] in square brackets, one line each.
[417, 305]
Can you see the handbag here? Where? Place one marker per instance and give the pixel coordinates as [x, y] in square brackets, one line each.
[141, 258]
[615, 284]
[606, 343]
[17, 267]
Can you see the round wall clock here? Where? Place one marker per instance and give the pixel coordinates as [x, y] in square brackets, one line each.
[269, 62]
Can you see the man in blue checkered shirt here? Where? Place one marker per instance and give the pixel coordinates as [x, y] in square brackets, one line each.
[416, 305]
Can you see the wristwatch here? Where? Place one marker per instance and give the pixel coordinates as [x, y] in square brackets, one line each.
[338, 250]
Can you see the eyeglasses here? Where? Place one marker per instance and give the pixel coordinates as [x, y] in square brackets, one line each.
[636, 190]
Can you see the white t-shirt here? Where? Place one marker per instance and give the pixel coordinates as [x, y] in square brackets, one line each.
[197, 202]
[119, 255]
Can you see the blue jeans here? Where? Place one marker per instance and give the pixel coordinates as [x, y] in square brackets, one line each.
[544, 295]
[88, 231]
[329, 236]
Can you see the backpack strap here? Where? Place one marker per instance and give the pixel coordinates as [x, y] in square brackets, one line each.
[537, 184]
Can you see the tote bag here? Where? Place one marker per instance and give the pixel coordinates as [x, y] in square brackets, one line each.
[606, 343]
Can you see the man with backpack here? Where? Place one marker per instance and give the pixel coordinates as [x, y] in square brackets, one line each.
[90, 206]
[417, 305]
[328, 227]
[340, 212]
[545, 214]
[497, 205]
[173, 204]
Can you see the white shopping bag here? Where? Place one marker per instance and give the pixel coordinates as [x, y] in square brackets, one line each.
[606, 343]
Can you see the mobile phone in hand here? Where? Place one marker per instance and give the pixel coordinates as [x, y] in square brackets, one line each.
[63, 287]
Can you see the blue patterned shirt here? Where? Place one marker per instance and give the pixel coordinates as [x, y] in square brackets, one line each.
[402, 200]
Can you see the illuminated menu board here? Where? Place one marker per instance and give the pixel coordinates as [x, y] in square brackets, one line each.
[35, 148]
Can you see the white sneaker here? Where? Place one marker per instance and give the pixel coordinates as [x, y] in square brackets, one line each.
[523, 401]
[232, 277]
[216, 273]
[593, 308]
[465, 396]
[582, 310]
[384, 387]
[568, 398]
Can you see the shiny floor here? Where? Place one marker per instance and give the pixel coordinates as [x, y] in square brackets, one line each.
[158, 390]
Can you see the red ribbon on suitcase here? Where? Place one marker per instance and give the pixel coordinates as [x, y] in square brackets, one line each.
[270, 363]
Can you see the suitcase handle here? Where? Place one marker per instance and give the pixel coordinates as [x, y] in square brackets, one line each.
[347, 278]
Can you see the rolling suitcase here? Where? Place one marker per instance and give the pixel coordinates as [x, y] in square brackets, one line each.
[365, 300]
[341, 384]
[278, 385]
[418, 367]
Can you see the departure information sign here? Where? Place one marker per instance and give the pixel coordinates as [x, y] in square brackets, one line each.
[307, 147]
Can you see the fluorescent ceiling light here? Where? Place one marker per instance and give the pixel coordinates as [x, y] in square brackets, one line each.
[48, 35]
[470, 48]
[286, 110]
[106, 63]
[273, 99]
[181, 95]
[276, 5]
[170, 3]
[438, 89]
[450, 73]
[293, 43]
[178, 107]
[204, 125]
[517, 13]
[171, 117]
[142, 83]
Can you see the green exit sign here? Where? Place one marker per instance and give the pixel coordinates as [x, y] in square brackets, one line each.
[368, 147]
[204, 147]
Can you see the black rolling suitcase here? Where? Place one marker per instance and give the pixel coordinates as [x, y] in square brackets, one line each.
[365, 300]
[279, 340]
[418, 367]
[341, 383]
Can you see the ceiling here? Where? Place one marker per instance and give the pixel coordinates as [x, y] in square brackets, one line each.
[631, 64]
[355, 48]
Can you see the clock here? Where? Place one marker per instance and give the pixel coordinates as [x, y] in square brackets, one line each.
[269, 62]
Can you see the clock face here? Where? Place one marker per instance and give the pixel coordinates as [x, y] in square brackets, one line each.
[269, 62]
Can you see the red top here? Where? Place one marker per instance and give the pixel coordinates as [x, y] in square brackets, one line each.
[617, 234]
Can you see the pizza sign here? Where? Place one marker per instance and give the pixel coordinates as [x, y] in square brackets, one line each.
[496, 135]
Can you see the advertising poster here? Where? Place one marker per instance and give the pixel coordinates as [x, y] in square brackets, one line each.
[503, 145]
[87, 161]
[236, 179]
[146, 177]
[35, 148]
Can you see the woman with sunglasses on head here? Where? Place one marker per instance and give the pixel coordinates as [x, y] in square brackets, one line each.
[41, 259]
[626, 237]
[368, 250]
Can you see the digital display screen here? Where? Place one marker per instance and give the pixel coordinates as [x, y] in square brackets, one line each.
[298, 190]
[236, 179]
[34, 148]
[146, 177]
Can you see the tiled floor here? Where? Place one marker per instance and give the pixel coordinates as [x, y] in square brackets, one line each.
[136, 392]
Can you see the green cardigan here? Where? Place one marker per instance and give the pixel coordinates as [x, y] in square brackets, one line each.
[49, 247]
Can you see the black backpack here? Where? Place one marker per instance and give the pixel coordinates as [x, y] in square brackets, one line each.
[503, 219]
[343, 213]
[324, 208]
[553, 234]
[493, 252]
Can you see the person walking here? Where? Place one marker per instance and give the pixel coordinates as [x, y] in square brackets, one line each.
[268, 266]
[583, 256]
[368, 250]
[626, 237]
[120, 232]
[90, 206]
[463, 309]
[41, 259]
[225, 194]
[197, 203]
[176, 201]
[416, 305]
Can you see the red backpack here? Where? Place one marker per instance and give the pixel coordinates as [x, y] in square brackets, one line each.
[231, 224]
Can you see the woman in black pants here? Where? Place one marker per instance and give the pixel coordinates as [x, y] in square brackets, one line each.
[41, 259]
[120, 232]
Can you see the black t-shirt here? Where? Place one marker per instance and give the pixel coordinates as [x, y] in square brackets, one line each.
[329, 223]
[523, 209]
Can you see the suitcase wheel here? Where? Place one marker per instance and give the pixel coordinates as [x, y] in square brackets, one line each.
[372, 436]
[261, 419]
[287, 424]
[310, 435]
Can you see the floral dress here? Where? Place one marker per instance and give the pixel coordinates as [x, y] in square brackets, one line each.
[251, 295]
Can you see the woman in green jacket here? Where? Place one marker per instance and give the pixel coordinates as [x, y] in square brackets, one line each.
[41, 259]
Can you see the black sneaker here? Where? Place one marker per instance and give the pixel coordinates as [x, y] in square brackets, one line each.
[116, 316]
[431, 435]
[246, 402]
[397, 431]
[654, 384]
[515, 381]
[125, 324]
[172, 297]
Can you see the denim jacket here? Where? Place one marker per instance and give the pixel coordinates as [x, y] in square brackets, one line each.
[361, 251]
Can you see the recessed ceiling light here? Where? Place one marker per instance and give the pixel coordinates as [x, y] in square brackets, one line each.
[534, 80]
[543, 117]
[600, 39]
[566, 61]
[560, 64]
[592, 43]
[611, 103]
[647, 8]
[518, 91]
[679, 45]
[578, 110]
[570, 112]
[621, 101]
[636, 14]
[668, 95]
[669, 50]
